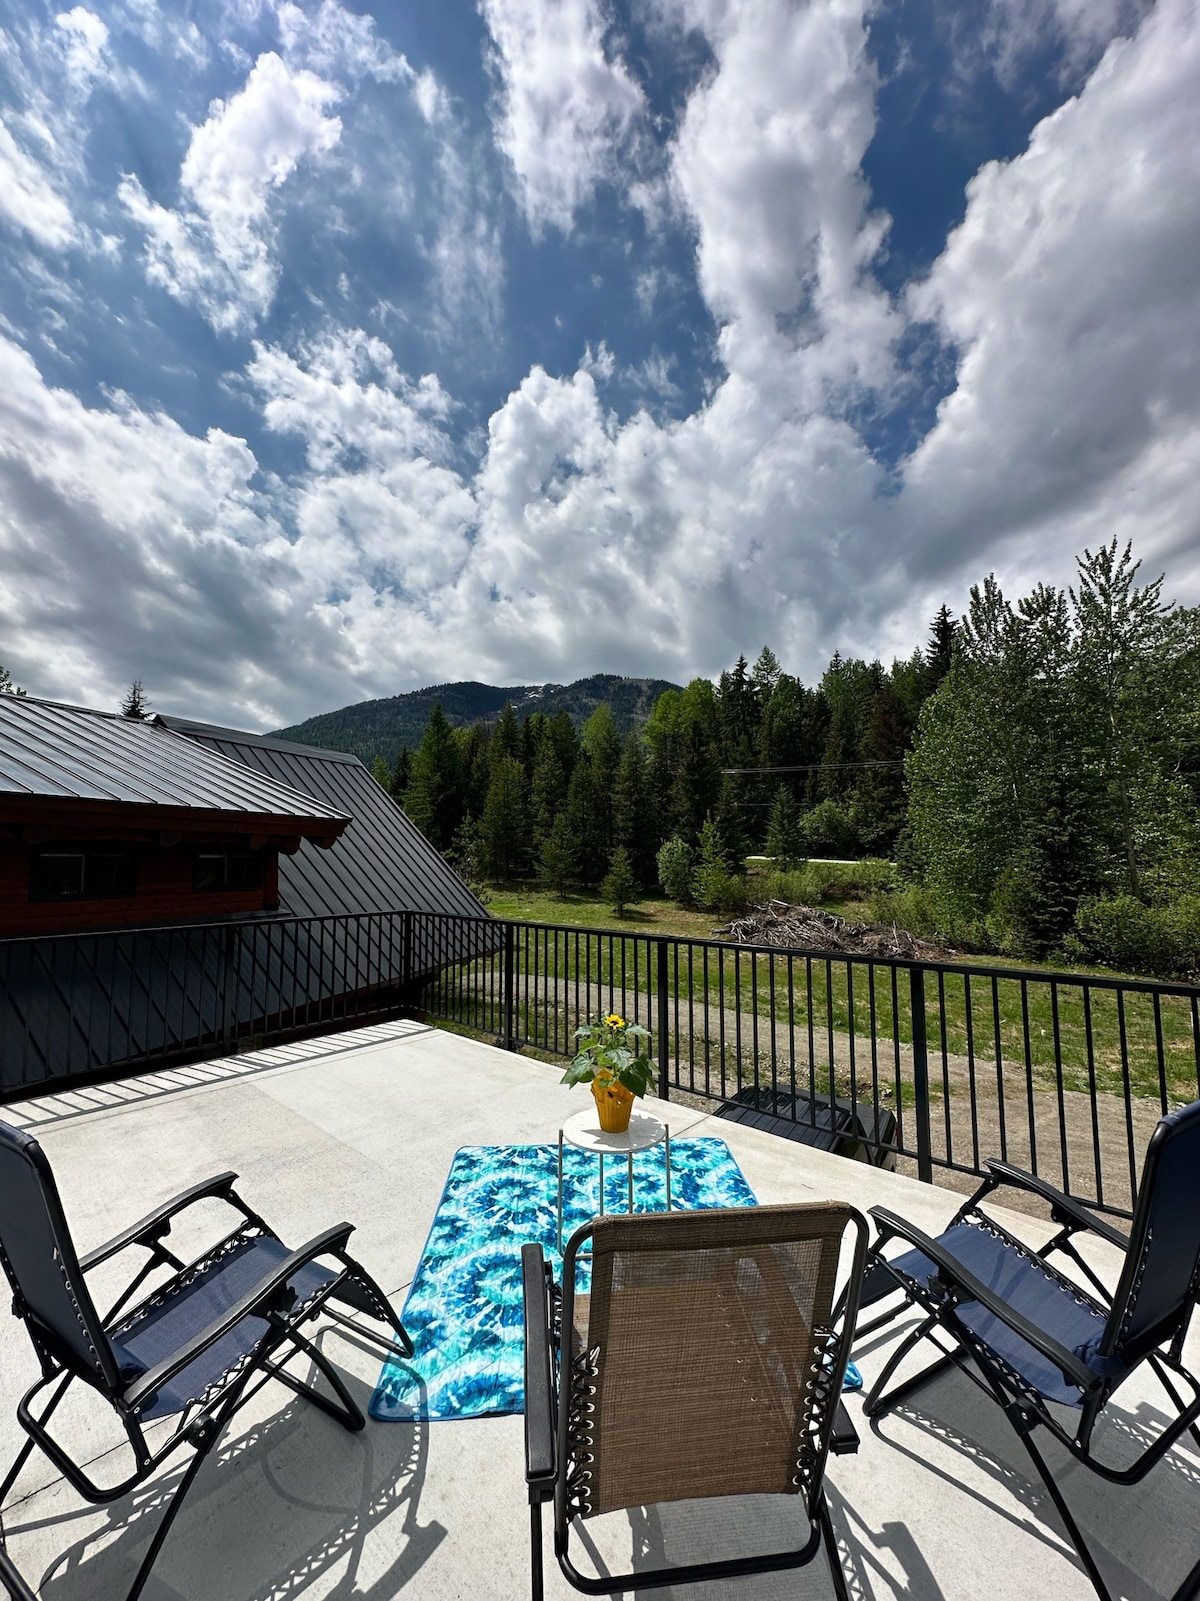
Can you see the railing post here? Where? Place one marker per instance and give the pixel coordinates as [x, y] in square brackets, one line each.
[406, 960]
[510, 1043]
[920, 1050]
[664, 1020]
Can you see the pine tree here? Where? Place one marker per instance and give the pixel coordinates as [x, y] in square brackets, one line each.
[401, 775]
[432, 799]
[381, 772]
[135, 704]
[584, 816]
[710, 875]
[766, 674]
[566, 742]
[506, 743]
[633, 819]
[696, 790]
[730, 818]
[504, 827]
[547, 792]
[785, 842]
[556, 856]
[939, 652]
[7, 687]
[602, 745]
[620, 885]
[739, 712]
[474, 768]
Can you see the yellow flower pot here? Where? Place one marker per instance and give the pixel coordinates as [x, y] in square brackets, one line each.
[614, 1104]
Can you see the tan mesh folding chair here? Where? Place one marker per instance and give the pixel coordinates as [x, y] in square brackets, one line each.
[707, 1360]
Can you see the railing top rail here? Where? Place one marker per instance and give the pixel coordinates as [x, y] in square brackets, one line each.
[974, 970]
[248, 920]
[971, 969]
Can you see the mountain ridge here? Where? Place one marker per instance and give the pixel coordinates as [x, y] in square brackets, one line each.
[380, 727]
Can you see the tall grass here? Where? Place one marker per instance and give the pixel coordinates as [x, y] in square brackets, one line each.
[817, 883]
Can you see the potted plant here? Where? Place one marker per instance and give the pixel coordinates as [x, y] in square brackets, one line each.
[609, 1059]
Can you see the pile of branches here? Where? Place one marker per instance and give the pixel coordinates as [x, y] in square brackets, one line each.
[808, 928]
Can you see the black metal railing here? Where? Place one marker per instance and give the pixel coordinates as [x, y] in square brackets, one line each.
[941, 1063]
[938, 1064]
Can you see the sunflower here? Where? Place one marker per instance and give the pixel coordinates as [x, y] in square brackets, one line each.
[615, 1021]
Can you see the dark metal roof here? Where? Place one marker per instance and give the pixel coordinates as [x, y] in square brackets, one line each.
[51, 752]
[381, 862]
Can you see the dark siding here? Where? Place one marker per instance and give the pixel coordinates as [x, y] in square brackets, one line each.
[381, 863]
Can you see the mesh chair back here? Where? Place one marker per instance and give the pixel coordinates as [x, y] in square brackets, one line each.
[709, 1344]
[40, 1261]
[1158, 1282]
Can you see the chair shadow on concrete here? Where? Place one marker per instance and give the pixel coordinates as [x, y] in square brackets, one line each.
[1142, 1534]
[655, 1536]
[273, 1512]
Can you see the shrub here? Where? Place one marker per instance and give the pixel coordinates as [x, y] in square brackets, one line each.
[711, 874]
[1122, 932]
[675, 860]
[829, 830]
[817, 882]
[912, 908]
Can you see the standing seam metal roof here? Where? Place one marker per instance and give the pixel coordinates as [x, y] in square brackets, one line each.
[55, 752]
[381, 863]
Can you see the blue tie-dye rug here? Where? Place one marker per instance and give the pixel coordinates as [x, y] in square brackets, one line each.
[464, 1307]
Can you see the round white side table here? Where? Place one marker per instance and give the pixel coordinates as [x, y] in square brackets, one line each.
[583, 1131]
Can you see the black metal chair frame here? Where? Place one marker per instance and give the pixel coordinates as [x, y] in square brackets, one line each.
[549, 1309]
[953, 1285]
[203, 1419]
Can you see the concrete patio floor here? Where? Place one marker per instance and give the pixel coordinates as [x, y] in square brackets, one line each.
[938, 1505]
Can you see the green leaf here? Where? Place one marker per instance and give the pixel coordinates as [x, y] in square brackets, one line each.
[579, 1072]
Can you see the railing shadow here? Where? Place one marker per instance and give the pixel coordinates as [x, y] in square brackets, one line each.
[51, 1107]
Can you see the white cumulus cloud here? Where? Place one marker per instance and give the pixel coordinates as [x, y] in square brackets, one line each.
[1072, 294]
[215, 251]
[567, 103]
[29, 197]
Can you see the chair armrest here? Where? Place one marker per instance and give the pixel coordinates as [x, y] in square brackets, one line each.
[540, 1464]
[958, 1278]
[1063, 1208]
[157, 1223]
[260, 1300]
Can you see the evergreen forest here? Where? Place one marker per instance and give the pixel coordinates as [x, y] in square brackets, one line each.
[1031, 772]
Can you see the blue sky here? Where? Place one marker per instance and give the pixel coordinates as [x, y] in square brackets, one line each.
[347, 351]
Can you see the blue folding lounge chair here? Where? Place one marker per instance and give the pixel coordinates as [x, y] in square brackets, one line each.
[1032, 1338]
[199, 1345]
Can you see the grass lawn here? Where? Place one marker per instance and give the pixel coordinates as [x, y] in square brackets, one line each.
[1034, 1024]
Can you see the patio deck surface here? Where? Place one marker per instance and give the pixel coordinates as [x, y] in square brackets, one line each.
[938, 1505]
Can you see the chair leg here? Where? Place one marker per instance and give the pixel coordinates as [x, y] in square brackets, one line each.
[837, 1573]
[1074, 1533]
[349, 1414]
[879, 1397]
[1160, 1374]
[23, 1455]
[536, 1574]
[207, 1433]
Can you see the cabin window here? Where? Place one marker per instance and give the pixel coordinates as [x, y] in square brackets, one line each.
[82, 875]
[224, 871]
